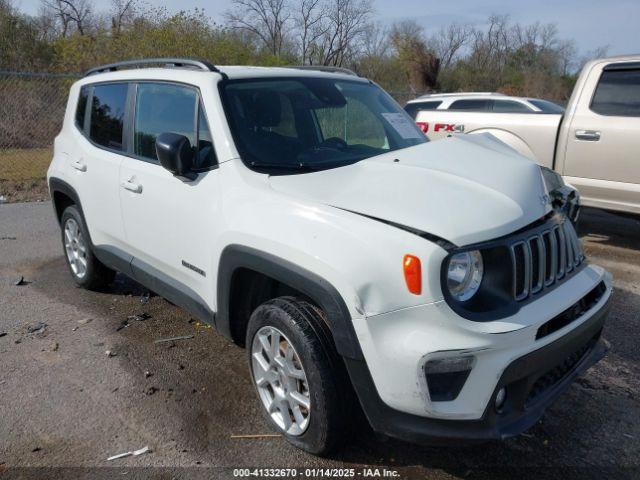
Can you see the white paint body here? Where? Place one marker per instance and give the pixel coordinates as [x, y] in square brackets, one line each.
[465, 190]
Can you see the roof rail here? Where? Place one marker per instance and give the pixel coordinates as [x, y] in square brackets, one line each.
[203, 65]
[325, 68]
[463, 94]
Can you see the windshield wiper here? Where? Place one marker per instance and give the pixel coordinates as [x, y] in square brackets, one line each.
[297, 167]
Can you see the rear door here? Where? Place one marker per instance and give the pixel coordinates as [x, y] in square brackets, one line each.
[170, 222]
[602, 157]
[95, 164]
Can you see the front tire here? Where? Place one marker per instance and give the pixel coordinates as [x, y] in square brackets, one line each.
[87, 271]
[300, 379]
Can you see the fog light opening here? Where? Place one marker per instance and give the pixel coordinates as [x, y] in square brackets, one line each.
[501, 396]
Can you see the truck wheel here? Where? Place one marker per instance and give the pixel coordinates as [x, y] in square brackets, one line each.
[86, 270]
[300, 379]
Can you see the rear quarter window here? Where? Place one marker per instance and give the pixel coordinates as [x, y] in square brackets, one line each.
[472, 105]
[618, 93]
[107, 114]
[81, 109]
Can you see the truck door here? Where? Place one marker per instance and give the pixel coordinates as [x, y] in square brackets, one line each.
[602, 154]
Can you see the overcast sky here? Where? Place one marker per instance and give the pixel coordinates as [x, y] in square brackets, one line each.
[591, 23]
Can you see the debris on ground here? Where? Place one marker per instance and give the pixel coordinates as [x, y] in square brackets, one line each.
[133, 453]
[110, 353]
[3, 199]
[261, 435]
[141, 317]
[151, 390]
[147, 374]
[123, 324]
[201, 325]
[2, 334]
[36, 449]
[21, 281]
[37, 327]
[54, 346]
[84, 321]
[163, 340]
[8, 238]
[144, 299]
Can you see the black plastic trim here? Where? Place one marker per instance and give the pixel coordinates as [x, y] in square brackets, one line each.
[492, 425]
[235, 257]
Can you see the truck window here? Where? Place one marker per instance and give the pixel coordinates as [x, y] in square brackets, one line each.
[107, 114]
[618, 93]
[473, 105]
[509, 106]
[161, 108]
[414, 107]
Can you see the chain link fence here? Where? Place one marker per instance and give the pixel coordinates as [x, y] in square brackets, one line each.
[32, 107]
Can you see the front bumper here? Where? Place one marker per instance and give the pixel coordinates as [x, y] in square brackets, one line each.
[534, 378]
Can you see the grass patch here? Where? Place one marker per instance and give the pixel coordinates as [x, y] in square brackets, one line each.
[19, 165]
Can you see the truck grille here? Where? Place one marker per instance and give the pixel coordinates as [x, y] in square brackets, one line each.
[544, 258]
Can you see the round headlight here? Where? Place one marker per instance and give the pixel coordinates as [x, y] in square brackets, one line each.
[464, 275]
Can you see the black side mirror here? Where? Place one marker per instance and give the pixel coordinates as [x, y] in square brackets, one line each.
[175, 154]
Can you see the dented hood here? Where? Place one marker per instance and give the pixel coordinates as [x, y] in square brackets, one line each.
[464, 189]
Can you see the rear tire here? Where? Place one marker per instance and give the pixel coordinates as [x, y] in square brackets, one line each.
[87, 271]
[297, 371]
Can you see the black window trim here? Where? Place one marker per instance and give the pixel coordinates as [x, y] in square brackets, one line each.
[612, 67]
[127, 124]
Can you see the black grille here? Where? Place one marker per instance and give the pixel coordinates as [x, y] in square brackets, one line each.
[544, 258]
[559, 372]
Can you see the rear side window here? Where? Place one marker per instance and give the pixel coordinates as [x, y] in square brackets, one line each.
[475, 105]
[163, 108]
[546, 107]
[81, 109]
[618, 93]
[107, 114]
[414, 108]
[509, 106]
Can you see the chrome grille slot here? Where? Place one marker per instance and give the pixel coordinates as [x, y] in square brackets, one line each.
[545, 258]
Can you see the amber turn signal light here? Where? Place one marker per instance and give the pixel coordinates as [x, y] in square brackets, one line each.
[412, 273]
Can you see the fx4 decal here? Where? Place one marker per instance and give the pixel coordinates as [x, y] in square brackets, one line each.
[448, 127]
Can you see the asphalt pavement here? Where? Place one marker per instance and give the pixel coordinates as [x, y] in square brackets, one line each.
[92, 383]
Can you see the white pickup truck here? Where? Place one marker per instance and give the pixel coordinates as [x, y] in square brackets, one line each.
[594, 145]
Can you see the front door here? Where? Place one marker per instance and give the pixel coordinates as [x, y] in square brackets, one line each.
[602, 156]
[169, 222]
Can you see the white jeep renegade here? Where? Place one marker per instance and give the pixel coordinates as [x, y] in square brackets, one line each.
[305, 216]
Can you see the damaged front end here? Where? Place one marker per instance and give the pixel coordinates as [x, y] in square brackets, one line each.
[563, 198]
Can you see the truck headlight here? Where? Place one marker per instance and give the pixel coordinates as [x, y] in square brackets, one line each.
[464, 274]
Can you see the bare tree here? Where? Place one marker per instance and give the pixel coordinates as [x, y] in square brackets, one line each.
[309, 18]
[122, 12]
[265, 19]
[346, 24]
[70, 13]
[449, 42]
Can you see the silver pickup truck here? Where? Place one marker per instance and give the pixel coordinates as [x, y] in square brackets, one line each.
[594, 144]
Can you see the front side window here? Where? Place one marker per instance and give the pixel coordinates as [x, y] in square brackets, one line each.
[509, 106]
[205, 155]
[162, 108]
[618, 93]
[300, 123]
[107, 114]
[474, 105]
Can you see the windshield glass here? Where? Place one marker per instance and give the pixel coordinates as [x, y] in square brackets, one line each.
[304, 124]
[546, 106]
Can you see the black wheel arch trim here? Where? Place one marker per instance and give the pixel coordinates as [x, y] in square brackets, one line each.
[236, 257]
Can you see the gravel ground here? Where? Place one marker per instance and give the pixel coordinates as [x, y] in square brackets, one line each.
[66, 405]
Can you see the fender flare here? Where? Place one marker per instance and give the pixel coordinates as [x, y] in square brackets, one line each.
[325, 295]
[57, 185]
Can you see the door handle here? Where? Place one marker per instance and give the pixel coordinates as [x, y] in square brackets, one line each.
[132, 186]
[588, 135]
[78, 165]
